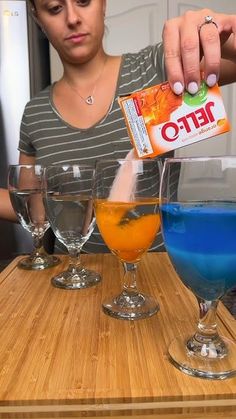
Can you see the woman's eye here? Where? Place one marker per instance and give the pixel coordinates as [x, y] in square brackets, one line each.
[83, 2]
[55, 9]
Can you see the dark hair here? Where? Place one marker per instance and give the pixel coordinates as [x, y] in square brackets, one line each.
[31, 7]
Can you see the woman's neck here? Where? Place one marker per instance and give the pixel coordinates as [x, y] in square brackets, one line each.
[85, 74]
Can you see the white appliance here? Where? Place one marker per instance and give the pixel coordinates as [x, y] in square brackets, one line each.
[24, 70]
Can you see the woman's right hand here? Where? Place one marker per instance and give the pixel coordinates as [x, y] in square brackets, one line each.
[188, 38]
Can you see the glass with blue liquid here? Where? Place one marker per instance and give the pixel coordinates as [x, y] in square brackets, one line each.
[198, 214]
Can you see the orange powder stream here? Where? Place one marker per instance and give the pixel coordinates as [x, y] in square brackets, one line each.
[123, 187]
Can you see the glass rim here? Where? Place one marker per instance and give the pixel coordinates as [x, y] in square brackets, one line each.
[198, 158]
[49, 166]
[25, 165]
[148, 159]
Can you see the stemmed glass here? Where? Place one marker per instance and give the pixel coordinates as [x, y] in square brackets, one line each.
[127, 212]
[69, 207]
[198, 212]
[25, 190]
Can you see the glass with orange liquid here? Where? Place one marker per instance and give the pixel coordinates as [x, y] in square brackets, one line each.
[126, 200]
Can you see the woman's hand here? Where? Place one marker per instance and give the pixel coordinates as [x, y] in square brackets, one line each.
[188, 38]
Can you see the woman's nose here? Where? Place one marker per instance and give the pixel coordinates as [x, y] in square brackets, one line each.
[73, 13]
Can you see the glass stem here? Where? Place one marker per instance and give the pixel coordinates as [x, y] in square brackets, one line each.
[74, 261]
[38, 244]
[130, 286]
[206, 342]
[207, 327]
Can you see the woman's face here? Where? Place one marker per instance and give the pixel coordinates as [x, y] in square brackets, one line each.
[74, 27]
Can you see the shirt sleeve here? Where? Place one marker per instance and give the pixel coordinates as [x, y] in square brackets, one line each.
[158, 59]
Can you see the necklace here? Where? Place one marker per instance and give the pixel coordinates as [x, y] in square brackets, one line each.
[90, 98]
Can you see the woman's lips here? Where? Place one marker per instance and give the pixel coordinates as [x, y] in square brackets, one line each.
[76, 38]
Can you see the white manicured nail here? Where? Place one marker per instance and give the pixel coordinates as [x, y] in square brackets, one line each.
[211, 80]
[192, 87]
[178, 88]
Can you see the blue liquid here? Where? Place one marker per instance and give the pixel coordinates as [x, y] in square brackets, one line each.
[201, 241]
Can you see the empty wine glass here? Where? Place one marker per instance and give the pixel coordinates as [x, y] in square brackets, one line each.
[69, 206]
[198, 211]
[25, 189]
[126, 199]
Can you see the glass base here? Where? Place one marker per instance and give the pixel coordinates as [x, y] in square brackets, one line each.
[206, 364]
[128, 306]
[38, 262]
[82, 279]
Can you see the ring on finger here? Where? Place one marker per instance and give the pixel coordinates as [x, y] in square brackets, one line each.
[207, 20]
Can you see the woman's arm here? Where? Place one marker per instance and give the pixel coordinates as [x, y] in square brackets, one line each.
[6, 210]
[24, 159]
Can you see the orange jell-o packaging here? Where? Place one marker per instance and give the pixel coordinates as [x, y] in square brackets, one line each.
[159, 121]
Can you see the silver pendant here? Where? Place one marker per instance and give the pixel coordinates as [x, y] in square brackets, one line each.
[89, 100]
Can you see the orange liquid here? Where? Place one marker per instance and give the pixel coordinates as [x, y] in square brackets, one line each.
[128, 229]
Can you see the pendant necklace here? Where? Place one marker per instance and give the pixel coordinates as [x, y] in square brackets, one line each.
[90, 98]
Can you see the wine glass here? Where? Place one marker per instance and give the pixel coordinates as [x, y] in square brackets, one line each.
[69, 207]
[198, 213]
[126, 201]
[25, 190]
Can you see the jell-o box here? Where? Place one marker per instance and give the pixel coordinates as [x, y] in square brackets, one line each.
[159, 121]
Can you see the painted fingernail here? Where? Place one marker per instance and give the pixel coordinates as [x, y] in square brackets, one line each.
[178, 88]
[192, 87]
[211, 80]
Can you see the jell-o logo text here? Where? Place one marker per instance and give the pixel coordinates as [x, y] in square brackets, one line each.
[193, 120]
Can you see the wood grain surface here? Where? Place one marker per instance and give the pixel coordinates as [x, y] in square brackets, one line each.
[61, 356]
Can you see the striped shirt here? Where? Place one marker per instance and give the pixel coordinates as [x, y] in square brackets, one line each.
[51, 140]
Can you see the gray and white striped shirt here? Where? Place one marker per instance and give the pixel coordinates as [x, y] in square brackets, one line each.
[45, 135]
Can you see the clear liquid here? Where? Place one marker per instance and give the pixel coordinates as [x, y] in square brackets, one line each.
[28, 205]
[71, 218]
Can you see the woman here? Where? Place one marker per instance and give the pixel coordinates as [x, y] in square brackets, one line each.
[78, 119]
